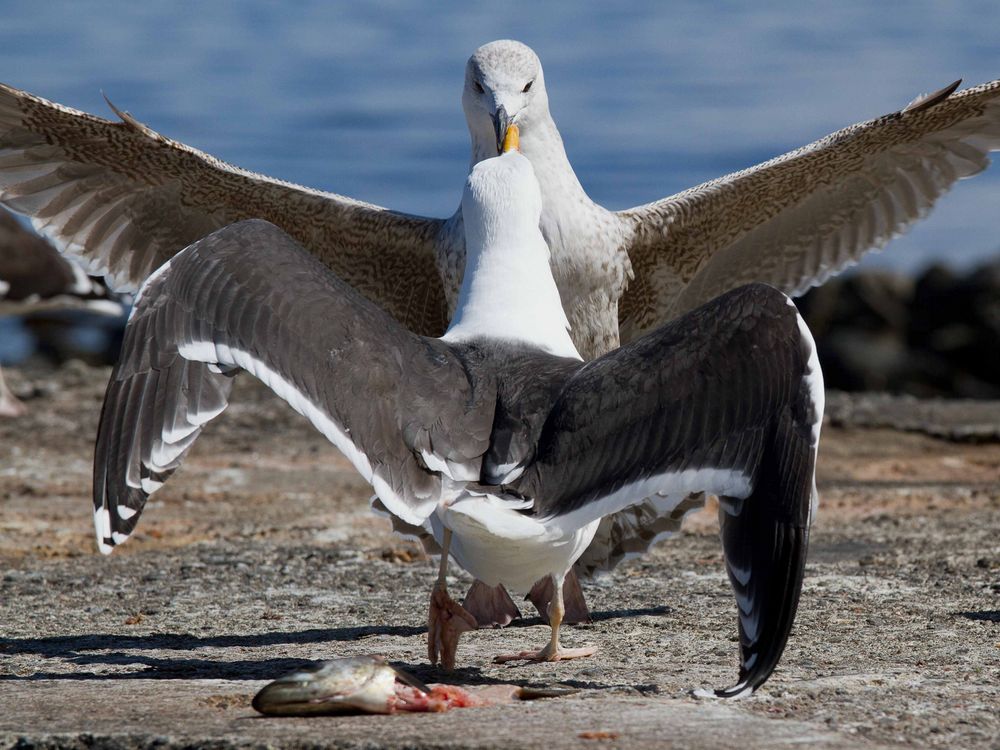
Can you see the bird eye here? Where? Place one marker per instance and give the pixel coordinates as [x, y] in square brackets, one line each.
[479, 87]
[527, 87]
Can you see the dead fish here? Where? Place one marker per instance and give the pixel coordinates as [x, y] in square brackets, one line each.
[369, 684]
[359, 683]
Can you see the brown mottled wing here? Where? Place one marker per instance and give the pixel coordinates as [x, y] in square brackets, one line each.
[799, 218]
[123, 199]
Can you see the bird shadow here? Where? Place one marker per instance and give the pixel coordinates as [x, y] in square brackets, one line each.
[986, 615]
[118, 650]
[115, 650]
[599, 616]
[146, 667]
[60, 645]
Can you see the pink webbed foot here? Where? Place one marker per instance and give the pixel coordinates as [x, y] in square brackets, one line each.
[547, 654]
[446, 621]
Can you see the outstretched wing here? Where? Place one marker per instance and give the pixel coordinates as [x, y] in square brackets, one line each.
[124, 199]
[725, 400]
[249, 297]
[795, 220]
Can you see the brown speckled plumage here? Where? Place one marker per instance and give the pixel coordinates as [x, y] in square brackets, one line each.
[799, 218]
[125, 199]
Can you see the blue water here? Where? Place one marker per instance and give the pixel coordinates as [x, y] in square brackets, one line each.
[651, 97]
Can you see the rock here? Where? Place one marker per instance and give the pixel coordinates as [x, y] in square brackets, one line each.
[936, 337]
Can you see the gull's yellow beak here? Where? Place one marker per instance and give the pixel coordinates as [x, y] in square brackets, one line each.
[512, 140]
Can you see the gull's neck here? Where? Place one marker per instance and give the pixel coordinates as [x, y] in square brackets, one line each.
[508, 292]
[543, 145]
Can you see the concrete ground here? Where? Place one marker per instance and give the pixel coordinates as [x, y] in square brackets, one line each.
[260, 556]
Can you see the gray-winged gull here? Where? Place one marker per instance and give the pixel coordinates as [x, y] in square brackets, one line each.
[497, 438]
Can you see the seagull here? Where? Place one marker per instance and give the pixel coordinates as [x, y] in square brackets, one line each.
[34, 277]
[497, 437]
[125, 199]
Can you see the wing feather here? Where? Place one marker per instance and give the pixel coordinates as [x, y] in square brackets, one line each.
[124, 199]
[725, 400]
[249, 297]
[797, 219]
[690, 404]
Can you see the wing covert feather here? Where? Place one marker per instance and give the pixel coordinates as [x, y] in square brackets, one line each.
[124, 199]
[797, 219]
[249, 297]
[700, 392]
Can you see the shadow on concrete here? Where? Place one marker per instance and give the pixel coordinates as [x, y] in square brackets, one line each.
[68, 644]
[153, 668]
[157, 668]
[986, 615]
[601, 616]
[120, 651]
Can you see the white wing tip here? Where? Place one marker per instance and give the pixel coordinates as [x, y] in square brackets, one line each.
[107, 539]
[104, 547]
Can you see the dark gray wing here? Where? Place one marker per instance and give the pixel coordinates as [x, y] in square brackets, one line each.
[801, 217]
[123, 199]
[401, 407]
[726, 400]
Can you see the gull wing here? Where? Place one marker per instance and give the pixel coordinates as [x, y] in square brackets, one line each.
[795, 220]
[124, 199]
[249, 297]
[726, 400]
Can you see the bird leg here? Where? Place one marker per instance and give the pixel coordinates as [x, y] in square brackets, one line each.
[573, 601]
[447, 620]
[10, 406]
[490, 605]
[552, 651]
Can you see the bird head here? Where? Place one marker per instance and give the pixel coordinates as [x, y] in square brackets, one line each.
[502, 199]
[503, 86]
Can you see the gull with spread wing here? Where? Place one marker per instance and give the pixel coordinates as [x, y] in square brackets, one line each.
[497, 438]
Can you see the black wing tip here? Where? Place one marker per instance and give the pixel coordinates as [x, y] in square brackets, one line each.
[749, 681]
[762, 645]
[742, 689]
